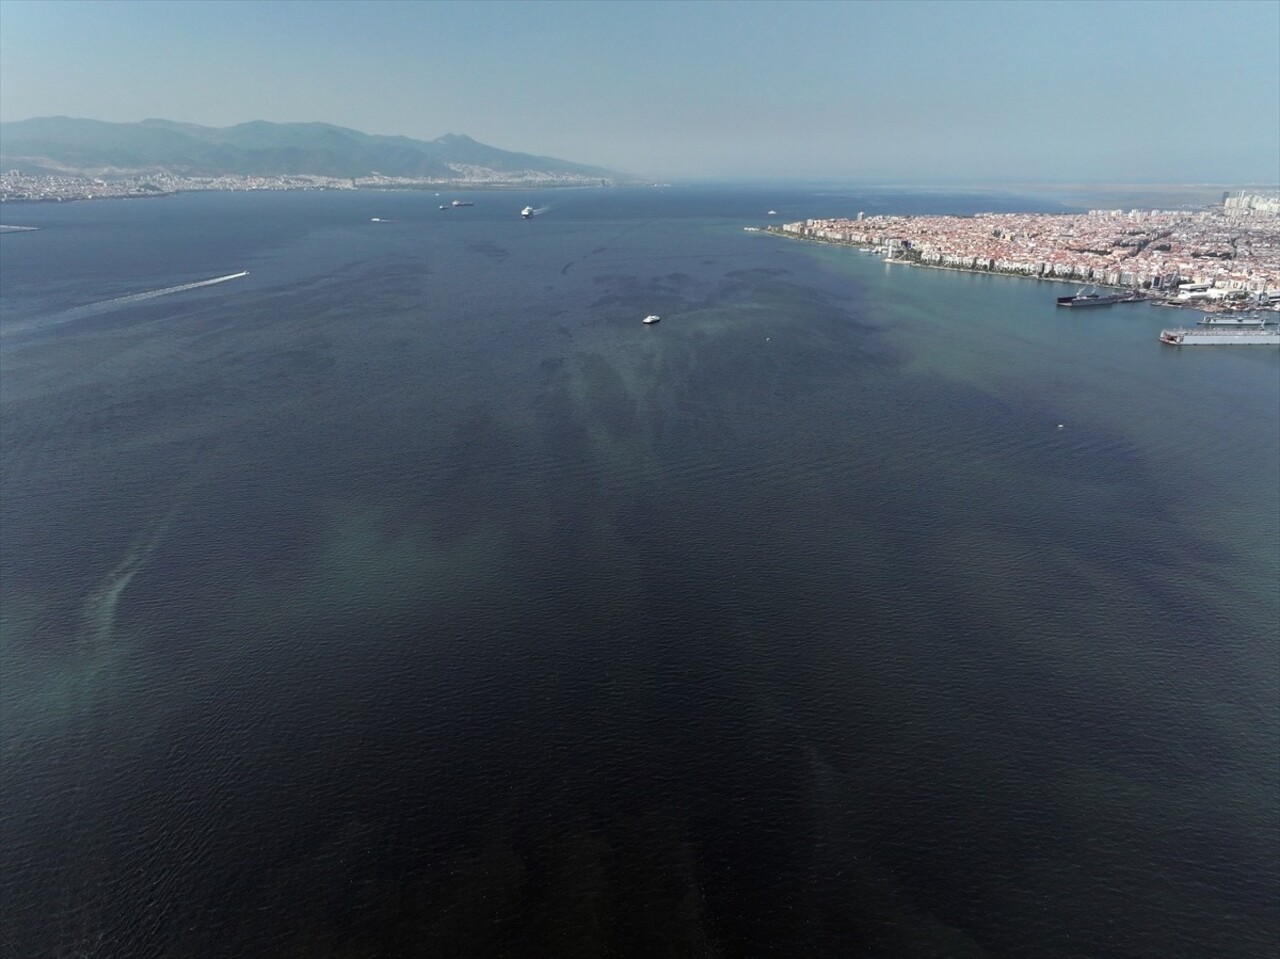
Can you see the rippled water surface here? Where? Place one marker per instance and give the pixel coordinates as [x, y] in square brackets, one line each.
[408, 596]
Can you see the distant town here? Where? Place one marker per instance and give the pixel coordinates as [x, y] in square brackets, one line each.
[17, 186]
[1226, 256]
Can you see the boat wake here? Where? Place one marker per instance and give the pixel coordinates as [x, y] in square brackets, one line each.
[105, 306]
[99, 616]
[152, 294]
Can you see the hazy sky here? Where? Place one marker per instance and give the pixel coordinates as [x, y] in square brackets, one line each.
[1155, 91]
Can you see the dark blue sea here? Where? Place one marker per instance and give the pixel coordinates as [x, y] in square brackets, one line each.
[409, 597]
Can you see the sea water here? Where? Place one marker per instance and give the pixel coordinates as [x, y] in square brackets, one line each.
[408, 595]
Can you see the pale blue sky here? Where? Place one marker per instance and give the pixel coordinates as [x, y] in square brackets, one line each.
[1102, 91]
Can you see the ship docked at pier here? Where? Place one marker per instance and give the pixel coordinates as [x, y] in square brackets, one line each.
[1233, 322]
[1209, 336]
[1086, 298]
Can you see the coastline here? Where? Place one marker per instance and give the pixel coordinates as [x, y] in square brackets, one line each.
[1140, 295]
[1019, 274]
[1013, 273]
[452, 186]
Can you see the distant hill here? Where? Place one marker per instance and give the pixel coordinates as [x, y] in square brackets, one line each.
[96, 148]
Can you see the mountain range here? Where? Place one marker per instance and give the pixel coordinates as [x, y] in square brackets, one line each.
[65, 145]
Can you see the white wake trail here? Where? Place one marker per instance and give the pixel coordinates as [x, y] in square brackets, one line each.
[152, 294]
[104, 306]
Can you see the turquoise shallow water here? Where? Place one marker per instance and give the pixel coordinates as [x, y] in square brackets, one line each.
[408, 595]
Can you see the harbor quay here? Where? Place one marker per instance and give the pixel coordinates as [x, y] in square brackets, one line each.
[1217, 258]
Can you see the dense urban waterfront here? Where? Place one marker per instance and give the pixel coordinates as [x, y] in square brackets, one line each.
[1219, 257]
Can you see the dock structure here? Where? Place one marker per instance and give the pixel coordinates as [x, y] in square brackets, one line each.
[1220, 337]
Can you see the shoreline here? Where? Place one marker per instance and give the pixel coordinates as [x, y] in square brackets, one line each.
[1143, 297]
[1018, 274]
[496, 186]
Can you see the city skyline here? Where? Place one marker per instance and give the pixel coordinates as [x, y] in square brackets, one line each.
[916, 91]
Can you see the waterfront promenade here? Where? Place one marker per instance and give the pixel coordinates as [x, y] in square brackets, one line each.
[1224, 255]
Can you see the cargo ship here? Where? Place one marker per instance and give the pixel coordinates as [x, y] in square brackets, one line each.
[1258, 336]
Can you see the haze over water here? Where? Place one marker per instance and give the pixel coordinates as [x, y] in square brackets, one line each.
[409, 596]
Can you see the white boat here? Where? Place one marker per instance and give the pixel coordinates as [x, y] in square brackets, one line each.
[772, 213]
[527, 212]
[652, 318]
